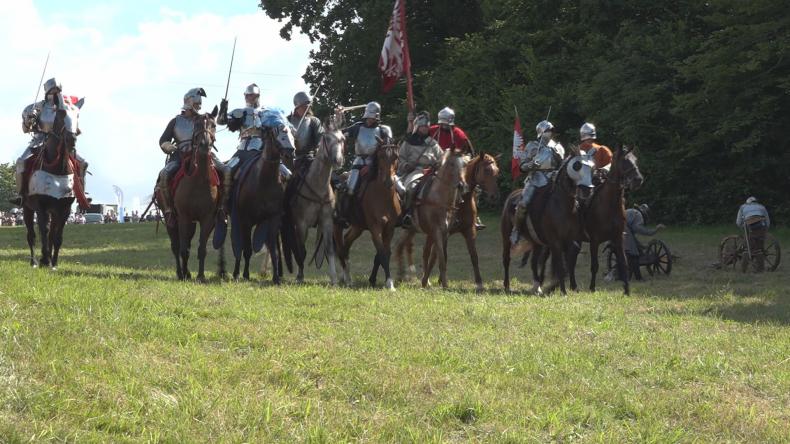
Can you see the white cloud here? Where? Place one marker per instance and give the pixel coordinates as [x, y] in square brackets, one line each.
[134, 83]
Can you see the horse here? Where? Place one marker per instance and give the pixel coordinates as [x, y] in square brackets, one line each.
[50, 192]
[313, 203]
[196, 198]
[481, 171]
[553, 218]
[378, 210]
[603, 215]
[259, 197]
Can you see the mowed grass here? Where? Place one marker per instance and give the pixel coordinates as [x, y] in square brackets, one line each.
[111, 348]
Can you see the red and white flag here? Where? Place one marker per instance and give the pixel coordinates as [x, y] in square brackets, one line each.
[519, 150]
[395, 61]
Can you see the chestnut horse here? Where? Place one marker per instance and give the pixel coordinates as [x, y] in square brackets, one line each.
[481, 171]
[259, 197]
[50, 193]
[196, 198]
[603, 215]
[378, 210]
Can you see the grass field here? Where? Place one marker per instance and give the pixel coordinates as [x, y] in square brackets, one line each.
[110, 348]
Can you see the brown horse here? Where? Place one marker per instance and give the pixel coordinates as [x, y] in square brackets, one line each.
[50, 194]
[481, 171]
[258, 199]
[603, 215]
[377, 210]
[196, 198]
[553, 217]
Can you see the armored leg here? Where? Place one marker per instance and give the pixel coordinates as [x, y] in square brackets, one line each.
[521, 211]
[227, 179]
[164, 189]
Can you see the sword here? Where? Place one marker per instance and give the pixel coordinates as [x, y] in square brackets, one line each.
[232, 55]
[41, 82]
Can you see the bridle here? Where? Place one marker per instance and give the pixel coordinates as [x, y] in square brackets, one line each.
[195, 145]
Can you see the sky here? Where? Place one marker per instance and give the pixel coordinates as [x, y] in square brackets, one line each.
[133, 61]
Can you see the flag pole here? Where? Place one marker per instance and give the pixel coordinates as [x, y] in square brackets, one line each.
[407, 59]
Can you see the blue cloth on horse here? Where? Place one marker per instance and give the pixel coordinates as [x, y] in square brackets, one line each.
[275, 117]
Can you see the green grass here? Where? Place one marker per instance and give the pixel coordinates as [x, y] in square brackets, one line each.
[110, 348]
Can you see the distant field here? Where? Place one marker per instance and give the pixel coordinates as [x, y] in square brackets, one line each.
[111, 348]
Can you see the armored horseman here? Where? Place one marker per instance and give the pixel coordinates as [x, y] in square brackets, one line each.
[38, 118]
[544, 157]
[308, 131]
[177, 140]
[367, 135]
[418, 152]
[600, 154]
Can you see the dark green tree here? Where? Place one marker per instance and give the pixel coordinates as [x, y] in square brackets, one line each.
[7, 185]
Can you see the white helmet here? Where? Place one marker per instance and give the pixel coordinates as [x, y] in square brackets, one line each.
[192, 99]
[587, 131]
[252, 90]
[301, 98]
[542, 127]
[423, 118]
[752, 199]
[372, 111]
[446, 116]
[52, 83]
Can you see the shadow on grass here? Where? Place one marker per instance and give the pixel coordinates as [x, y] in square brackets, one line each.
[776, 311]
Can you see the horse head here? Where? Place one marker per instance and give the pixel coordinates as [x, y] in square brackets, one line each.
[332, 144]
[281, 131]
[576, 173]
[625, 169]
[64, 131]
[205, 133]
[386, 163]
[483, 171]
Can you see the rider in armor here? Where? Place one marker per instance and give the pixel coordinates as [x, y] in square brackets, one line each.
[601, 154]
[544, 157]
[308, 131]
[418, 152]
[367, 134]
[177, 139]
[449, 135]
[38, 118]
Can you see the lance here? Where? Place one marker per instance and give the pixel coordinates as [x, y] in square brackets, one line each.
[232, 55]
[41, 81]
[309, 105]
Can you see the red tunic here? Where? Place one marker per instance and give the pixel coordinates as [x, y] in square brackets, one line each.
[456, 139]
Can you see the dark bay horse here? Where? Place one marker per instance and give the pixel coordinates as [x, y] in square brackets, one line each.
[313, 203]
[196, 198]
[553, 217]
[259, 197]
[376, 210]
[481, 171]
[603, 215]
[50, 191]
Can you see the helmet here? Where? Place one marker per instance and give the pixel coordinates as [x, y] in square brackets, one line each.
[372, 111]
[587, 131]
[752, 199]
[446, 116]
[252, 89]
[543, 126]
[644, 209]
[52, 83]
[192, 99]
[423, 118]
[301, 98]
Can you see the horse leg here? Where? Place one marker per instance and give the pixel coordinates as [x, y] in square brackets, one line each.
[622, 267]
[400, 248]
[31, 235]
[389, 232]
[558, 267]
[427, 264]
[348, 239]
[274, 252]
[186, 231]
[57, 238]
[377, 237]
[538, 265]
[43, 231]
[470, 236]
[206, 227]
[301, 250]
[246, 249]
[505, 228]
[174, 248]
[440, 252]
[329, 246]
[572, 257]
[593, 263]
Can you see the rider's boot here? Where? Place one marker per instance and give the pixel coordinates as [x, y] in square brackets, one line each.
[17, 200]
[521, 217]
[166, 203]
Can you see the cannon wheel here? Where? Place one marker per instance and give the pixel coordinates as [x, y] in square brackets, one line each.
[662, 257]
[773, 253]
[730, 250]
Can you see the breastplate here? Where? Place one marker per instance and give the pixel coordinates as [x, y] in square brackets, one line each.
[251, 125]
[46, 120]
[183, 131]
[366, 143]
[304, 134]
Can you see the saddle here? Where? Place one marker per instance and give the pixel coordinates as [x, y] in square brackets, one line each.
[182, 172]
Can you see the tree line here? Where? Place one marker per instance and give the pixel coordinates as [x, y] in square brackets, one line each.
[702, 89]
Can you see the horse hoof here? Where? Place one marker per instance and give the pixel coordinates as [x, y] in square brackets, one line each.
[479, 288]
[53, 268]
[389, 285]
[412, 269]
[300, 279]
